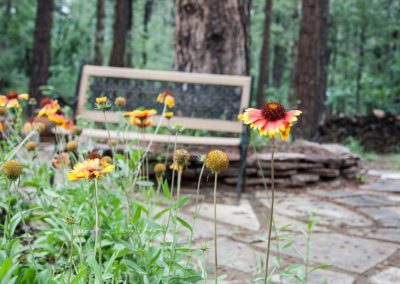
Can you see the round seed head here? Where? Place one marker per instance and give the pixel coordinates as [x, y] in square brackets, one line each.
[120, 102]
[12, 169]
[77, 131]
[159, 169]
[70, 219]
[107, 159]
[217, 161]
[181, 156]
[30, 146]
[112, 142]
[72, 146]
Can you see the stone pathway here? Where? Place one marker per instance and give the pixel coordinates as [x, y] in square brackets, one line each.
[357, 232]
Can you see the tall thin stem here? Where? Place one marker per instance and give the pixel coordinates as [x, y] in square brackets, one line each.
[196, 211]
[17, 195]
[109, 139]
[97, 228]
[272, 207]
[71, 254]
[215, 229]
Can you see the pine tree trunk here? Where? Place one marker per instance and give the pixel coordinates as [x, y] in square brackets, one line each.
[360, 67]
[100, 13]
[148, 10]
[278, 65]
[263, 71]
[41, 47]
[122, 23]
[310, 81]
[212, 36]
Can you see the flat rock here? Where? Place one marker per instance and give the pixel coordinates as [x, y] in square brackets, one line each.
[279, 156]
[366, 201]
[305, 178]
[390, 275]
[337, 193]
[235, 255]
[325, 172]
[300, 206]
[384, 174]
[384, 185]
[350, 253]
[328, 276]
[386, 216]
[385, 234]
[238, 215]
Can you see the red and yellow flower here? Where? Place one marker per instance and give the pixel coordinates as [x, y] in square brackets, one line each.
[90, 169]
[271, 120]
[1, 127]
[167, 98]
[141, 123]
[11, 100]
[49, 107]
[168, 114]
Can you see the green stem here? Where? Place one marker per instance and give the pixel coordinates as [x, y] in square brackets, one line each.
[109, 139]
[196, 211]
[71, 254]
[272, 207]
[97, 228]
[278, 255]
[17, 195]
[215, 229]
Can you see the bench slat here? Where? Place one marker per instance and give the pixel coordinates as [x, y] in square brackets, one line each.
[162, 138]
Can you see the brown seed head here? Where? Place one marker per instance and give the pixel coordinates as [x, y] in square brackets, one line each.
[160, 169]
[217, 161]
[72, 146]
[30, 146]
[12, 169]
[120, 102]
[76, 130]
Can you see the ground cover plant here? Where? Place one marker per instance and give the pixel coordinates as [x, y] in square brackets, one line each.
[93, 216]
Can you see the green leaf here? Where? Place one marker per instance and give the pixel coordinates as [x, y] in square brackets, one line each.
[181, 202]
[138, 212]
[80, 276]
[159, 214]
[145, 183]
[321, 266]
[184, 223]
[133, 266]
[153, 259]
[96, 268]
[167, 193]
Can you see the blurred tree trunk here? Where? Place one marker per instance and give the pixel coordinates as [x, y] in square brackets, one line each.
[212, 36]
[100, 13]
[148, 10]
[263, 71]
[278, 65]
[41, 47]
[360, 65]
[311, 73]
[7, 14]
[122, 24]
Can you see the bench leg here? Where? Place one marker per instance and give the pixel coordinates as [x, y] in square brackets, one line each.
[240, 187]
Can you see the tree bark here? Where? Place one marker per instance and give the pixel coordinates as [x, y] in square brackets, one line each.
[212, 36]
[100, 14]
[263, 71]
[41, 47]
[122, 24]
[360, 66]
[148, 10]
[311, 74]
[278, 65]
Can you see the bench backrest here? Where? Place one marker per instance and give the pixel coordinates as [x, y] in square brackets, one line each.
[203, 101]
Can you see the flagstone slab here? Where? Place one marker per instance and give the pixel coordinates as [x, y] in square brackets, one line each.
[385, 234]
[354, 254]
[365, 201]
[390, 275]
[384, 185]
[237, 215]
[337, 193]
[235, 255]
[300, 206]
[328, 276]
[385, 216]
[385, 174]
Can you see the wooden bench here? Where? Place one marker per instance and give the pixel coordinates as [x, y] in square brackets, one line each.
[203, 102]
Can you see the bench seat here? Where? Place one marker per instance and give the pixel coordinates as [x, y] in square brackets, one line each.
[162, 138]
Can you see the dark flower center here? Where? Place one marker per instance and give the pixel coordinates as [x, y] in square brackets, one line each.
[94, 155]
[273, 111]
[12, 95]
[45, 101]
